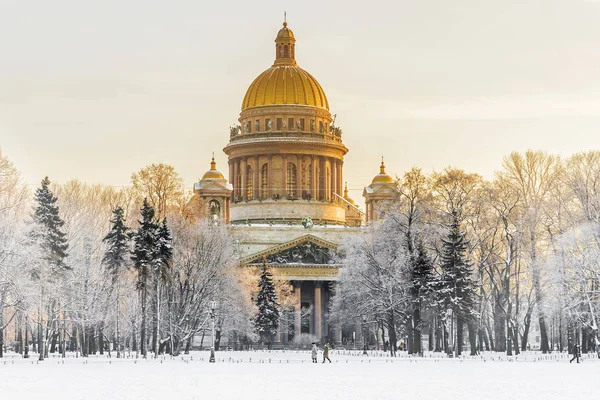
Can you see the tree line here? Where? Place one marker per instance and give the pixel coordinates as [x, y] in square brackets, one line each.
[464, 261]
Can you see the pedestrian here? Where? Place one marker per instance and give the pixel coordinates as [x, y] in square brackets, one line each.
[314, 353]
[576, 353]
[326, 352]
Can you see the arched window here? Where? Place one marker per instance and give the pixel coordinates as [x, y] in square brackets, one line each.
[264, 181]
[286, 51]
[249, 183]
[291, 179]
[214, 209]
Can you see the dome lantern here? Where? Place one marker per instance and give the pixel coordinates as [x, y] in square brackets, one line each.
[285, 44]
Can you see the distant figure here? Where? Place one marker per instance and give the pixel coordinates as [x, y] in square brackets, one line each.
[576, 353]
[314, 353]
[326, 352]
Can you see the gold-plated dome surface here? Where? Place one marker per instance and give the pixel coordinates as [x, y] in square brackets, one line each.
[285, 84]
[382, 177]
[212, 173]
[285, 32]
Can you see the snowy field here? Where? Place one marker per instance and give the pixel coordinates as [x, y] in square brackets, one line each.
[291, 375]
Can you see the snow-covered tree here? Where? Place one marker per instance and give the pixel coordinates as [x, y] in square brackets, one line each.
[163, 257]
[143, 256]
[267, 316]
[115, 259]
[423, 285]
[457, 287]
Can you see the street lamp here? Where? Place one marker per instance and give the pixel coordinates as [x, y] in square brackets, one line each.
[212, 305]
[364, 317]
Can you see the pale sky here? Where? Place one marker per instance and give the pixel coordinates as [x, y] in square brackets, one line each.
[96, 90]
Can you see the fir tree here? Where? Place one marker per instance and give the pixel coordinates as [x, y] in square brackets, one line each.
[163, 255]
[117, 242]
[143, 255]
[267, 318]
[422, 290]
[48, 233]
[52, 241]
[457, 287]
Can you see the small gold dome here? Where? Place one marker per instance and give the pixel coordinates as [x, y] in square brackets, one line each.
[285, 32]
[382, 177]
[212, 173]
[346, 197]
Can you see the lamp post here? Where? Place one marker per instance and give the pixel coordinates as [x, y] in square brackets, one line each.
[212, 306]
[364, 317]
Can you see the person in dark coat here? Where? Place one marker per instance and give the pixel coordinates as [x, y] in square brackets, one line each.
[326, 352]
[576, 353]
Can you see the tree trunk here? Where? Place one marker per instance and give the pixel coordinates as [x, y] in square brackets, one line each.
[143, 350]
[417, 331]
[409, 336]
[526, 327]
[101, 337]
[472, 337]
[218, 340]
[459, 335]
[392, 334]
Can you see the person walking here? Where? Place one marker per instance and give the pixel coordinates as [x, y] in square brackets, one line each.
[576, 353]
[326, 352]
[314, 353]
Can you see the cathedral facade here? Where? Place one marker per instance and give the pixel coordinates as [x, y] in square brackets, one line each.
[285, 197]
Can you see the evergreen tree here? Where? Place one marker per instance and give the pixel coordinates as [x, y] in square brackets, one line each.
[457, 287]
[143, 255]
[267, 318]
[52, 241]
[117, 242]
[163, 255]
[47, 232]
[422, 290]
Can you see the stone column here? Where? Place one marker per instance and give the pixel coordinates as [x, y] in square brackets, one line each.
[284, 192]
[234, 183]
[257, 177]
[244, 169]
[298, 309]
[300, 176]
[313, 183]
[323, 179]
[231, 175]
[270, 177]
[334, 177]
[318, 311]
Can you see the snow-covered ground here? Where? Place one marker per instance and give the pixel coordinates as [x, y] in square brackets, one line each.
[291, 375]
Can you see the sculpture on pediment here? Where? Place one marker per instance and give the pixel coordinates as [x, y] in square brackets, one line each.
[305, 253]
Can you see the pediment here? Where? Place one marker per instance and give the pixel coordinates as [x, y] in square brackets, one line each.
[305, 250]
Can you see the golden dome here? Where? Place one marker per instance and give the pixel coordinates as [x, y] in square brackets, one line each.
[382, 177]
[346, 197]
[285, 32]
[285, 83]
[212, 173]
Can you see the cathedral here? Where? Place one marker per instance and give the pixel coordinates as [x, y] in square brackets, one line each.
[285, 198]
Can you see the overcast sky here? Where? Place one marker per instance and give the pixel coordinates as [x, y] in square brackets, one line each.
[96, 90]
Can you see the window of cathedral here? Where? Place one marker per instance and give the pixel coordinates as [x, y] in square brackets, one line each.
[214, 209]
[257, 126]
[286, 51]
[279, 124]
[264, 181]
[291, 123]
[267, 124]
[312, 125]
[301, 123]
[249, 183]
[291, 180]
